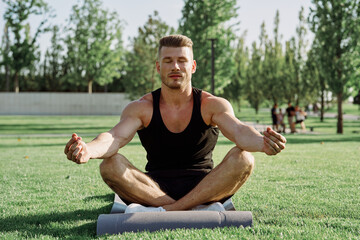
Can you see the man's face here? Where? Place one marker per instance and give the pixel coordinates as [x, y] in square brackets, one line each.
[175, 66]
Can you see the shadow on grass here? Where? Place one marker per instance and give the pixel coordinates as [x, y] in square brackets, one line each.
[26, 145]
[51, 127]
[59, 224]
[305, 139]
[8, 146]
[317, 139]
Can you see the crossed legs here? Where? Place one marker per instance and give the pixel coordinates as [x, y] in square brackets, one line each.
[135, 186]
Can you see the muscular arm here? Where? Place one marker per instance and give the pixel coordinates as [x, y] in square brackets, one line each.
[245, 137]
[108, 143]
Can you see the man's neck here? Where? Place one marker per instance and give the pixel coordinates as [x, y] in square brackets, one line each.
[176, 97]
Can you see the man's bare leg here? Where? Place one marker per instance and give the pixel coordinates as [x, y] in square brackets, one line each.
[132, 184]
[222, 182]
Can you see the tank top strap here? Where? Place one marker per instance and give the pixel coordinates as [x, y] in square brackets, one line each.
[156, 105]
[197, 105]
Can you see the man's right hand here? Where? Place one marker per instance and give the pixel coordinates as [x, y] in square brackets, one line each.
[76, 150]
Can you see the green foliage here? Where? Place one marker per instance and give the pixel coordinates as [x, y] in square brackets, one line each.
[22, 51]
[302, 86]
[312, 80]
[235, 90]
[204, 20]
[335, 25]
[141, 74]
[272, 65]
[336, 28]
[254, 91]
[94, 45]
[52, 65]
[288, 77]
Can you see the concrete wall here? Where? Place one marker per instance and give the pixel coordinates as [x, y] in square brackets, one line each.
[40, 103]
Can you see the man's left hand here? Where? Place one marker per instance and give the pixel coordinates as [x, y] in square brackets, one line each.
[273, 142]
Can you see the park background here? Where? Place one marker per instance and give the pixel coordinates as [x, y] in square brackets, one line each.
[306, 53]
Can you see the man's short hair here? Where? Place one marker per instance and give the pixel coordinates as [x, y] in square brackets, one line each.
[175, 41]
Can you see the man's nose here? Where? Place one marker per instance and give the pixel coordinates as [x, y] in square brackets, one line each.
[175, 66]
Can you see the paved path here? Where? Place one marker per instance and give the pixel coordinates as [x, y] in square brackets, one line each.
[258, 126]
[334, 115]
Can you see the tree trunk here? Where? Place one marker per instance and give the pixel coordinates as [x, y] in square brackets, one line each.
[340, 114]
[16, 83]
[239, 104]
[7, 50]
[7, 78]
[90, 82]
[322, 108]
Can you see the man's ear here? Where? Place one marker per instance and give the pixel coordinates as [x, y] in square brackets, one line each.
[193, 70]
[158, 66]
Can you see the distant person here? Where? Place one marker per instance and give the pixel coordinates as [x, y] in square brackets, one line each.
[300, 117]
[178, 125]
[280, 121]
[290, 111]
[315, 107]
[274, 117]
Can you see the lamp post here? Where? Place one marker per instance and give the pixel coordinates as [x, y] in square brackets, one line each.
[212, 64]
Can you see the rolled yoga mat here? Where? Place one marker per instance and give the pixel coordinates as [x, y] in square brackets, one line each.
[116, 223]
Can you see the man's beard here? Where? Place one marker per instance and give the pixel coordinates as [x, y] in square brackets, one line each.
[173, 84]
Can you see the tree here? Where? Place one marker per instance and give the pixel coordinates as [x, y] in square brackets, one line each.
[288, 72]
[141, 75]
[235, 90]
[301, 85]
[52, 71]
[315, 72]
[336, 24]
[204, 20]
[4, 54]
[272, 65]
[21, 53]
[94, 45]
[254, 89]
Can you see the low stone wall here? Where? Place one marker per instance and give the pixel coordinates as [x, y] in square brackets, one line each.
[41, 103]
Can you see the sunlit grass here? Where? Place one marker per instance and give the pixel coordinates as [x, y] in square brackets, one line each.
[310, 191]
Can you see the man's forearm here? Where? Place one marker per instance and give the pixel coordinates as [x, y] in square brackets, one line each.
[103, 146]
[249, 139]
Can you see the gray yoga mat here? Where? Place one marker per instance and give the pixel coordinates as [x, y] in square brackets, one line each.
[119, 222]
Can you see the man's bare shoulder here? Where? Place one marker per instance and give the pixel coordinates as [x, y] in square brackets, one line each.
[141, 108]
[213, 104]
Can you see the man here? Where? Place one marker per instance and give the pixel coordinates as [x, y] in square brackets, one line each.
[280, 121]
[290, 111]
[300, 117]
[178, 126]
[275, 125]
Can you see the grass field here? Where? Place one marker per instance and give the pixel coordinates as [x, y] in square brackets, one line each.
[310, 191]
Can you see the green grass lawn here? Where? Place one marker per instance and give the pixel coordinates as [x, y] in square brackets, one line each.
[310, 191]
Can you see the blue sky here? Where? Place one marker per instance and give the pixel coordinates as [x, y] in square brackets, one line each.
[135, 13]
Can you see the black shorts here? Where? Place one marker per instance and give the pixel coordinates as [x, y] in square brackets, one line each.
[177, 183]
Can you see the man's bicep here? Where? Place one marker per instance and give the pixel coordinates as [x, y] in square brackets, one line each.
[130, 122]
[125, 130]
[228, 124]
[224, 117]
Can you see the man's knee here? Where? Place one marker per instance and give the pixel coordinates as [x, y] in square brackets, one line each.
[242, 161]
[112, 167]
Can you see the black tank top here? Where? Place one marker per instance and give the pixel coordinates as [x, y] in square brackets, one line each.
[190, 149]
